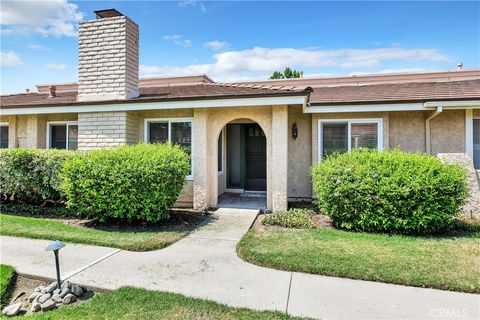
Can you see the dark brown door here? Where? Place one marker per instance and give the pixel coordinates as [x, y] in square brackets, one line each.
[255, 158]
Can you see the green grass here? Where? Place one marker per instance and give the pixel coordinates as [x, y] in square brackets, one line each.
[133, 303]
[135, 240]
[449, 263]
[6, 276]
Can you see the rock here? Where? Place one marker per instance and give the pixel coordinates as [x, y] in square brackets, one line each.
[56, 298]
[77, 290]
[65, 284]
[52, 286]
[57, 291]
[48, 305]
[64, 292]
[35, 307]
[12, 310]
[69, 298]
[44, 297]
[39, 288]
[21, 293]
[34, 295]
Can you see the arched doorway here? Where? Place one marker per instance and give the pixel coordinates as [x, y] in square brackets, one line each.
[242, 165]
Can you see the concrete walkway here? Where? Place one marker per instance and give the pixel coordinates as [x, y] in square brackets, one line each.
[205, 265]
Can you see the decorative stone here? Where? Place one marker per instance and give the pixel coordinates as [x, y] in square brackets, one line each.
[57, 291]
[56, 298]
[65, 284]
[48, 305]
[77, 290]
[52, 286]
[69, 298]
[12, 310]
[44, 297]
[35, 307]
[64, 292]
[34, 295]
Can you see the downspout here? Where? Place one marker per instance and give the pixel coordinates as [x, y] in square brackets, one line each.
[427, 129]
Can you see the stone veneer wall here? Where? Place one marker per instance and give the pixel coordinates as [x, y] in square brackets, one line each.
[472, 207]
[108, 59]
[106, 129]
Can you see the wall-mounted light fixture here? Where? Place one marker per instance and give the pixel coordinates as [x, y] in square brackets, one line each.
[294, 131]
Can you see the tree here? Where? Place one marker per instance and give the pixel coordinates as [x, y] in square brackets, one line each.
[287, 74]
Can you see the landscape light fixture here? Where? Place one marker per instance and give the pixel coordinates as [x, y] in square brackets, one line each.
[55, 246]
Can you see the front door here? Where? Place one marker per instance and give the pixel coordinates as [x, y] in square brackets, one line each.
[255, 158]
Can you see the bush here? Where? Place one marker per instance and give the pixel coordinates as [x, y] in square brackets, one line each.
[140, 182]
[391, 192]
[31, 176]
[293, 218]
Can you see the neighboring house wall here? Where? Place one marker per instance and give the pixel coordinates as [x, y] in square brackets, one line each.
[448, 132]
[299, 154]
[407, 131]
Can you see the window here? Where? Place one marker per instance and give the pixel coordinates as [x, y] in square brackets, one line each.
[220, 153]
[62, 135]
[176, 131]
[4, 135]
[345, 135]
[476, 143]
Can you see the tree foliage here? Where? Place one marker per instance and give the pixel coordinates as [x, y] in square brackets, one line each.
[287, 74]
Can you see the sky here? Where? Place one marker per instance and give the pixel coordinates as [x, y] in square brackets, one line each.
[239, 40]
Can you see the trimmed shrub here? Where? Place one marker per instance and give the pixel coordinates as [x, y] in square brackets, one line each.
[31, 176]
[293, 218]
[389, 191]
[140, 182]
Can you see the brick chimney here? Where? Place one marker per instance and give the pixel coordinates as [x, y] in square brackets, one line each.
[108, 58]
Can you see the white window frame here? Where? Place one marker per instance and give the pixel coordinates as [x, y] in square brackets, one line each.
[5, 124]
[146, 135]
[50, 123]
[222, 172]
[378, 121]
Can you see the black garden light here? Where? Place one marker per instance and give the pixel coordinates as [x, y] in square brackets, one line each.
[55, 246]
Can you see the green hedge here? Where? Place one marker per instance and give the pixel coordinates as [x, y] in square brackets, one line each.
[31, 176]
[140, 182]
[293, 218]
[391, 192]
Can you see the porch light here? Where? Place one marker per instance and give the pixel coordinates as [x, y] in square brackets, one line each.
[55, 246]
[294, 131]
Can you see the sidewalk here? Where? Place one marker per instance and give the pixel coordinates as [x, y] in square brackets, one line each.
[205, 265]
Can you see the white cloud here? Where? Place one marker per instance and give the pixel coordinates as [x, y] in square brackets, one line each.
[51, 17]
[215, 45]
[256, 62]
[178, 40]
[10, 59]
[193, 3]
[33, 46]
[56, 66]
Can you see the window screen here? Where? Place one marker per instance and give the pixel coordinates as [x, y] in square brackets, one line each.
[334, 138]
[3, 137]
[72, 137]
[364, 135]
[58, 136]
[158, 132]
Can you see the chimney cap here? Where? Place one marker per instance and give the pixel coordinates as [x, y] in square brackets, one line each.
[108, 13]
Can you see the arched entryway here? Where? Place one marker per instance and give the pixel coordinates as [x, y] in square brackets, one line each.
[242, 165]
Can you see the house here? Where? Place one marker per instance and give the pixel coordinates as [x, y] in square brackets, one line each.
[249, 136]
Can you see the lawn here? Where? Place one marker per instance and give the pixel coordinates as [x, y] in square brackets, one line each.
[449, 263]
[135, 238]
[133, 303]
[6, 275]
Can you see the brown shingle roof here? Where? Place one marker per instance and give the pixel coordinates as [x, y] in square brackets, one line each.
[397, 92]
[164, 93]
